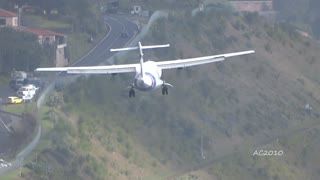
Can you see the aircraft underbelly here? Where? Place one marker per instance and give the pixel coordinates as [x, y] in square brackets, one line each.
[148, 82]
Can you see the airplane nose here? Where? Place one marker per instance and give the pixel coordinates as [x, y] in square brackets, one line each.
[147, 81]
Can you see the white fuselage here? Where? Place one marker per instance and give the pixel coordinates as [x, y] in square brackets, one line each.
[150, 79]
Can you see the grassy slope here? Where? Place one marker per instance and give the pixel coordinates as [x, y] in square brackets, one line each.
[270, 93]
[44, 22]
[235, 104]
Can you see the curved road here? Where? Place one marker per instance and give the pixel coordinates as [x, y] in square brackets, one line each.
[101, 52]
[97, 55]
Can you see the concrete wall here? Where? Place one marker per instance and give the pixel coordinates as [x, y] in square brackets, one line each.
[47, 39]
[61, 60]
[12, 21]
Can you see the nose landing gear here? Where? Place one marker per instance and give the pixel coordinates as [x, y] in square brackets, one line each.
[132, 93]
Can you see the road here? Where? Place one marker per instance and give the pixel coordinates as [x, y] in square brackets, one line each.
[5, 91]
[101, 53]
[97, 55]
[6, 140]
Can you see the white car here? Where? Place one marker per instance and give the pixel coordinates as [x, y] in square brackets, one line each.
[4, 163]
[27, 98]
[29, 90]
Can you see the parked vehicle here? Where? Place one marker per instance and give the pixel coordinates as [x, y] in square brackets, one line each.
[27, 98]
[27, 90]
[14, 100]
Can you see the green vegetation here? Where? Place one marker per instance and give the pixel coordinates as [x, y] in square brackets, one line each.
[45, 22]
[15, 108]
[3, 81]
[154, 5]
[81, 15]
[10, 175]
[302, 13]
[75, 18]
[21, 51]
[78, 44]
[299, 156]
[233, 104]
[19, 108]
[225, 109]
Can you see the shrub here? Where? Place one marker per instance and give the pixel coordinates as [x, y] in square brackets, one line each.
[267, 47]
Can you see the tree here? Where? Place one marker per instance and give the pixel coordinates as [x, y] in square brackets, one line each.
[20, 51]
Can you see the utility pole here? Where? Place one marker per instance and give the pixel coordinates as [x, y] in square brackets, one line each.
[19, 14]
[20, 163]
[201, 149]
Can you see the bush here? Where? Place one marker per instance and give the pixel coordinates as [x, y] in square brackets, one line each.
[251, 17]
[55, 100]
[267, 47]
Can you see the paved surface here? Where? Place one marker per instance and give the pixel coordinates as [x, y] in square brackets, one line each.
[5, 91]
[118, 24]
[101, 53]
[97, 55]
[6, 140]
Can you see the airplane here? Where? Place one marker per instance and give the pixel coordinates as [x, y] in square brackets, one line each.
[147, 74]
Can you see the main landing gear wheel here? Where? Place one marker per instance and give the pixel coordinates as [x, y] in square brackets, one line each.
[164, 90]
[132, 93]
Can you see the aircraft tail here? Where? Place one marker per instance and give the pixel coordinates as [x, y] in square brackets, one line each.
[140, 48]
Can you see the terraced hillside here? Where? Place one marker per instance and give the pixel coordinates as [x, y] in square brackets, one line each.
[221, 112]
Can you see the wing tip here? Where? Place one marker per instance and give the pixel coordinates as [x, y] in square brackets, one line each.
[50, 70]
[38, 70]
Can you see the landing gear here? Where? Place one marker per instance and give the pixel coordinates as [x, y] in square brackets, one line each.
[164, 90]
[132, 93]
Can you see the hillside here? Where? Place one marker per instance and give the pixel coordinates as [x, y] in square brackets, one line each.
[93, 131]
[302, 13]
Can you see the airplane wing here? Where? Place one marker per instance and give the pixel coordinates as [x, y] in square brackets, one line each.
[93, 69]
[182, 63]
